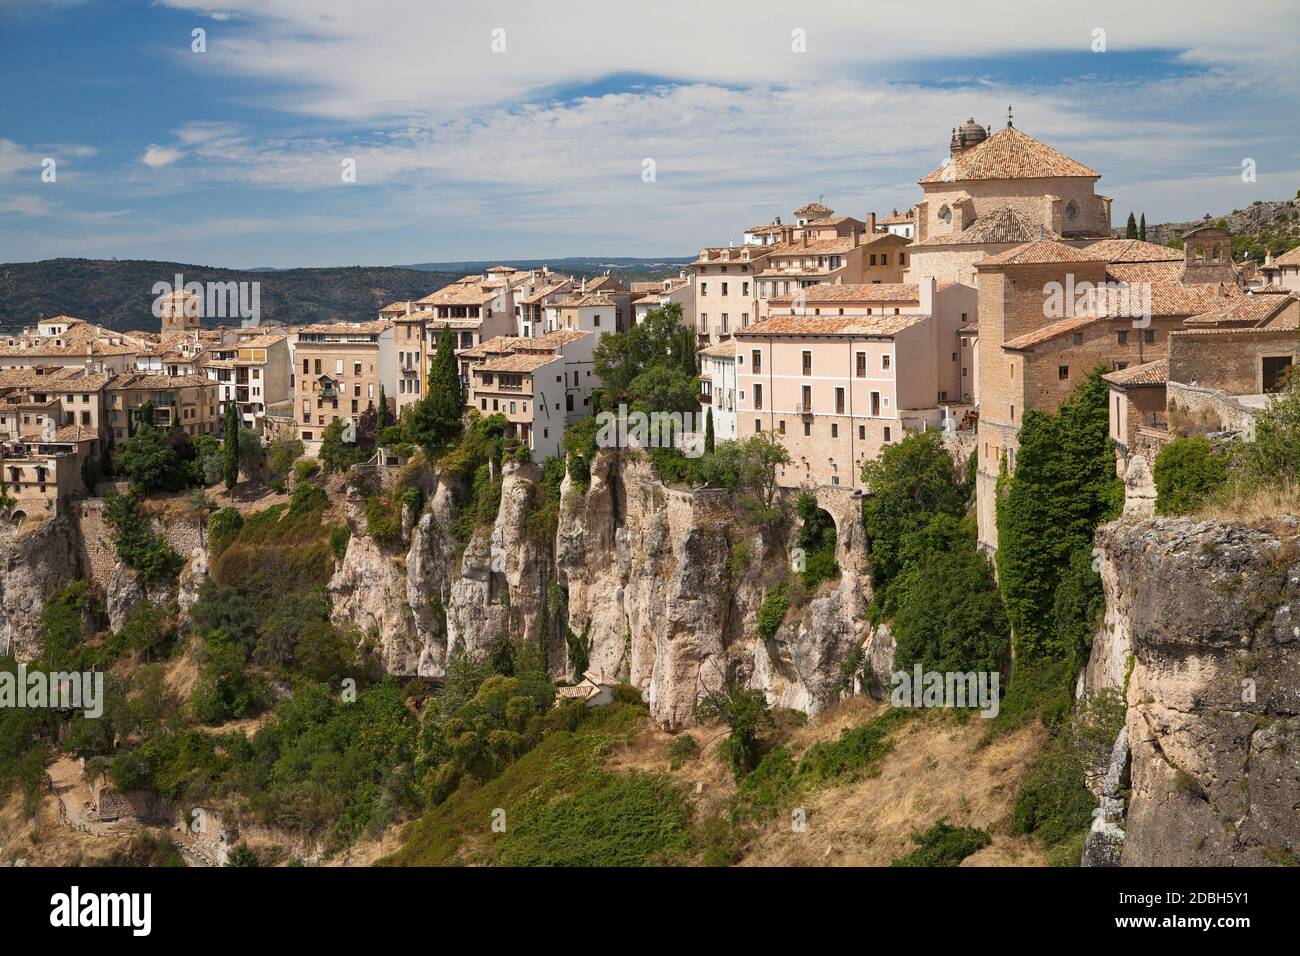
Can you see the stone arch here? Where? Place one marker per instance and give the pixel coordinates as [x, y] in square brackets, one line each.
[17, 517]
[945, 213]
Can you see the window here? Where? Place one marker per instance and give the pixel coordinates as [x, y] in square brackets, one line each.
[806, 399]
[780, 426]
[835, 430]
[807, 362]
[1272, 370]
[839, 401]
[884, 362]
[704, 288]
[724, 288]
[756, 361]
[1149, 335]
[1078, 338]
[1121, 337]
[861, 365]
[887, 433]
[807, 428]
[875, 403]
[884, 258]
[758, 424]
[862, 432]
[1063, 373]
[1013, 413]
[873, 259]
[758, 396]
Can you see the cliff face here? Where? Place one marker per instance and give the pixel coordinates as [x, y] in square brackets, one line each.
[1210, 615]
[665, 586]
[34, 565]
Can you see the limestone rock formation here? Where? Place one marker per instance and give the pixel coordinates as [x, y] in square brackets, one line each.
[35, 564]
[1209, 610]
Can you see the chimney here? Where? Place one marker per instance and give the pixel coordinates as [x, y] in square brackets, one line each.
[804, 234]
[408, 306]
[927, 296]
[871, 223]
[857, 239]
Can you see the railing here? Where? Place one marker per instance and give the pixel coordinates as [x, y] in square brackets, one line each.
[803, 410]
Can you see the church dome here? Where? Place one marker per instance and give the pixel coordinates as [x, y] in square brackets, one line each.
[968, 135]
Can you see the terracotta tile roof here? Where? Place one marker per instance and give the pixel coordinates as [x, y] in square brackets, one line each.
[1009, 154]
[135, 380]
[853, 292]
[606, 282]
[462, 293]
[396, 308]
[553, 340]
[1133, 250]
[519, 362]
[764, 230]
[1169, 296]
[1271, 289]
[1291, 258]
[1000, 225]
[344, 328]
[1148, 373]
[497, 345]
[544, 291]
[583, 300]
[897, 218]
[862, 325]
[1247, 310]
[814, 209]
[725, 349]
[1040, 252]
[502, 269]
[1048, 332]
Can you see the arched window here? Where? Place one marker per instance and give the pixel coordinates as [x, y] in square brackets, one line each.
[1071, 210]
[945, 214]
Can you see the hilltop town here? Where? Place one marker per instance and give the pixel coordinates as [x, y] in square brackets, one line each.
[836, 335]
[355, 586]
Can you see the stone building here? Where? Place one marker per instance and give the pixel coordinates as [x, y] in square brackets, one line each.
[997, 191]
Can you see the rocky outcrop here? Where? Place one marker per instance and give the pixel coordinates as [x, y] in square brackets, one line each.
[35, 564]
[667, 584]
[1210, 613]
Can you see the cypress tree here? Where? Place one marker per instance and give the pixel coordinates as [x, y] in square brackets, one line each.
[381, 413]
[1131, 232]
[230, 447]
[708, 432]
[446, 398]
[1142, 228]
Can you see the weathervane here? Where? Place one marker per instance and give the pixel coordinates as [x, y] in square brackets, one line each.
[1009, 123]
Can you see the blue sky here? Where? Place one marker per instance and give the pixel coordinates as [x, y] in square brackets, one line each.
[233, 156]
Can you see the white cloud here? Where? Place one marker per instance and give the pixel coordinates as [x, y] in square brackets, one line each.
[414, 59]
[156, 156]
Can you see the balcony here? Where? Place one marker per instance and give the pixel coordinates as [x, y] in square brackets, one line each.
[804, 411]
[706, 398]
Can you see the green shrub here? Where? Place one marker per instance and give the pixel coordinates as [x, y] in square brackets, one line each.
[944, 845]
[772, 611]
[223, 527]
[1187, 471]
[617, 820]
[682, 749]
[339, 538]
[138, 545]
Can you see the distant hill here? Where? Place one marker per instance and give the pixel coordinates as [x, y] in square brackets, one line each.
[119, 293]
[578, 265]
[1259, 228]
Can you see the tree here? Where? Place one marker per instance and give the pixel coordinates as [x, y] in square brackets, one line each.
[230, 448]
[335, 453]
[908, 485]
[1064, 487]
[651, 365]
[1142, 228]
[445, 390]
[751, 466]
[150, 461]
[1131, 230]
[1273, 456]
[381, 414]
[746, 713]
[708, 432]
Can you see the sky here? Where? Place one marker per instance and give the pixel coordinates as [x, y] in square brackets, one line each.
[509, 130]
